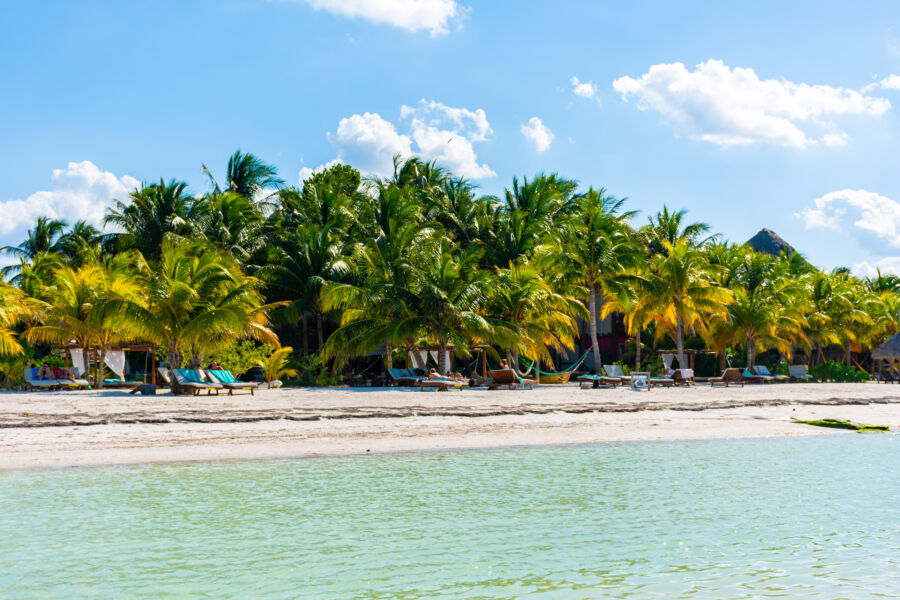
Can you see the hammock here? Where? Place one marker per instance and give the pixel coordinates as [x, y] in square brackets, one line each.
[569, 370]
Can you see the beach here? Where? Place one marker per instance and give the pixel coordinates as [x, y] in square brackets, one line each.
[45, 429]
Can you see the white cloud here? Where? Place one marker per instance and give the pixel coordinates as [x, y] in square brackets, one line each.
[539, 134]
[434, 131]
[81, 191]
[434, 16]
[888, 264]
[585, 89]
[872, 218]
[725, 106]
[891, 82]
[447, 135]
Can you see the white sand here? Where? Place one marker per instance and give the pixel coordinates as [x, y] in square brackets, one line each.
[91, 428]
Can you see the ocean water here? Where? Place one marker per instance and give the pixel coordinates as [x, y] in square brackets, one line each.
[769, 518]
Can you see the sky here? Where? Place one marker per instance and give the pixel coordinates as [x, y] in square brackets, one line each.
[764, 114]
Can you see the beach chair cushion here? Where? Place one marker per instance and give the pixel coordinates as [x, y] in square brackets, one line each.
[224, 376]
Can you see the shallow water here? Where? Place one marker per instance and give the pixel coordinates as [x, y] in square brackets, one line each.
[770, 518]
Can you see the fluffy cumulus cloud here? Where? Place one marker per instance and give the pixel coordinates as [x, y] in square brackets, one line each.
[891, 82]
[430, 130]
[728, 107]
[81, 191]
[538, 134]
[433, 16]
[871, 216]
[889, 264]
[585, 89]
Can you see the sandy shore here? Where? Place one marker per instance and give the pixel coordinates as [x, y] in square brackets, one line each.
[91, 428]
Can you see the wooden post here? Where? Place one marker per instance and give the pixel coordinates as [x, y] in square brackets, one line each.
[153, 364]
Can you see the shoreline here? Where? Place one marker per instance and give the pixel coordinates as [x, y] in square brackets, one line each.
[75, 429]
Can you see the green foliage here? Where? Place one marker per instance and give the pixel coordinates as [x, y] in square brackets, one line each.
[834, 371]
[310, 372]
[241, 355]
[275, 366]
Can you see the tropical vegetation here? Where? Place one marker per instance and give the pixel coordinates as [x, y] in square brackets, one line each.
[348, 268]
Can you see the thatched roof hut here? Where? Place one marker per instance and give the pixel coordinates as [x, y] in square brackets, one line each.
[885, 356]
[889, 350]
[767, 241]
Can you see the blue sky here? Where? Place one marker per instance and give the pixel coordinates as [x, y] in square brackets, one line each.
[746, 116]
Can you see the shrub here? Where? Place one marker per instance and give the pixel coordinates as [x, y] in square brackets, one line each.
[241, 355]
[835, 371]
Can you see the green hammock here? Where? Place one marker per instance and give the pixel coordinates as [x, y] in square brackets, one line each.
[569, 370]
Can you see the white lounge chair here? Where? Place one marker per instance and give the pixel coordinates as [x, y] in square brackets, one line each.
[763, 371]
[799, 373]
[32, 381]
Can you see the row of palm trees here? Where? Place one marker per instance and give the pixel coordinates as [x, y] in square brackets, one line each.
[417, 259]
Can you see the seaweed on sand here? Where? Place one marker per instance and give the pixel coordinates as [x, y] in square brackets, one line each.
[843, 424]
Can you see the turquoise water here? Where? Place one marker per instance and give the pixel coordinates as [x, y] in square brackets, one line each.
[771, 518]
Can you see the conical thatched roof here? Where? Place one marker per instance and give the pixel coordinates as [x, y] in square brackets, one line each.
[890, 349]
[769, 242]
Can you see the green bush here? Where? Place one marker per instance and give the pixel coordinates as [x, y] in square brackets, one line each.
[310, 372]
[834, 371]
[239, 357]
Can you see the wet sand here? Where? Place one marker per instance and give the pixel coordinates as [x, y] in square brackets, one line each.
[91, 428]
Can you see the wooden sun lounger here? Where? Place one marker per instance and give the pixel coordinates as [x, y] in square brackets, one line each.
[441, 385]
[586, 382]
[508, 378]
[729, 377]
[230, 382]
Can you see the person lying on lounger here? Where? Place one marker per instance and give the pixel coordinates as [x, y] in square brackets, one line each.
[45, 373]
[64, 374]
[433, 374]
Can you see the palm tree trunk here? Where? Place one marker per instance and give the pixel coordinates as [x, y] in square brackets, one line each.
[100, 367]
[86, 358]
[388, 359]
[637, 350]
[751, 346]
[595, 345]
[847, 357]
[443, 367]
[303, 320]
[679, 341]
[319, 330]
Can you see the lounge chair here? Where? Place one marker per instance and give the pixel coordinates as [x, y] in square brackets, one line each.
[763, 371]
[403, 376]
[729, 377]
[186, 381]
[683, 376]
[616, 371]
[798, 373]
[589, 381]
[508, 378]
[32, 381]
[230, 382]
[661, 382]
[441, 385]
[751, 378]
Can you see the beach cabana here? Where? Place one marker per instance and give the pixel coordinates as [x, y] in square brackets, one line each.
[886, 358]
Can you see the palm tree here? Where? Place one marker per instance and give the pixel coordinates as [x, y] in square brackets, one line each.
[376, 299]
[230, 222]
[15, 307]
[304, 261]
[524, 302]
[600, 247]
[201, 300]
[670, 227]
[44, 237]
[275, 366]
[153, 212]
[247, 176]
[682, 283]
[81, 244]
[95, 306]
